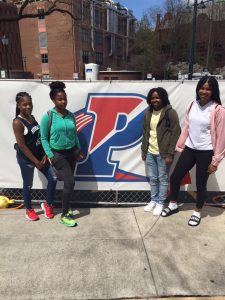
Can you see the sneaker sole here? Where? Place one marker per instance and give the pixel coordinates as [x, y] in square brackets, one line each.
[42, 206]
[31, 219]
[67, 225]
[149, 210]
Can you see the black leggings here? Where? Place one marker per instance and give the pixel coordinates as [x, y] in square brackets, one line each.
[64, 162]
[188, 158]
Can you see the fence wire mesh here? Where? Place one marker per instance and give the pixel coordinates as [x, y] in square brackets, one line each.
[112, 197]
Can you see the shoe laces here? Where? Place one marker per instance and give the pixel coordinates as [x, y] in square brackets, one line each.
[49, 209]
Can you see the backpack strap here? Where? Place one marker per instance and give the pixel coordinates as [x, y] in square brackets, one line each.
[190, 106]
[49, 122]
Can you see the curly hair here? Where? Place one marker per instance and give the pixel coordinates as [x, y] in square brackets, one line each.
[162, 94]
[56, 87]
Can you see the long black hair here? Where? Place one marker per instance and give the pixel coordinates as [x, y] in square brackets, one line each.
[163, 95]
[56, 87]
[213, 85]
[19, 96]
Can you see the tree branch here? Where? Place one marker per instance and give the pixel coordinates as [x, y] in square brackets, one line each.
[51, 9]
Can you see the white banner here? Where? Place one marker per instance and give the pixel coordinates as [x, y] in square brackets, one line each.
[109, 120]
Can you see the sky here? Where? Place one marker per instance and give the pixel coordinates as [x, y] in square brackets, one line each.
[139, 6]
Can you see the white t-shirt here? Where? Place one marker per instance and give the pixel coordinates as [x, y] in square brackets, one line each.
[199, 127]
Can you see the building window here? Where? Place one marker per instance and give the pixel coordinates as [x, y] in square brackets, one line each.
[119, 43]
[98, 18]
[41, 13]
[86, 12]
[122, 26]
[45, 76]
[218, 57]
[85, 35]
[85, 57]
[99, 58]
[42, 40]
[200, 46]
[119, 60]
[98, 38]
[165, 48]
[44, 58]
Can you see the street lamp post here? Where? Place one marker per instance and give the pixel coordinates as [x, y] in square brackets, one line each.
[200, 5]
[25, 66]
[5, 42]
[192, 49]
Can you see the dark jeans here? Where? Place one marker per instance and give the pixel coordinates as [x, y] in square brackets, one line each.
[27, 171]
[187, 160]
[64, 162]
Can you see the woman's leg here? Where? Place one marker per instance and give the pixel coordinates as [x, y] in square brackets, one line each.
[62, 164]
[152, 173]
[27, 172]
[51, 185]
[204, 159]
[163, 177]
[184, 164]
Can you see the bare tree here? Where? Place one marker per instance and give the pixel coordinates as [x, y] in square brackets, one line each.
[51, 6]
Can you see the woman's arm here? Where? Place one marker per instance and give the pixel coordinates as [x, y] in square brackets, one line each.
[144, 142]
[18, 129]
[76, 136]
[175, 133]
[45, 135]
[219, 148]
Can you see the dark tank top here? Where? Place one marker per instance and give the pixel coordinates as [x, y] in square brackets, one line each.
[32, 139]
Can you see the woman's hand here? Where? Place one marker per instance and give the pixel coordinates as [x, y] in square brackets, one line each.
[50, 160]
[143, 156]
[80, 157]
[44, 159]
[212, 169]
[39, 164]
[168, 161]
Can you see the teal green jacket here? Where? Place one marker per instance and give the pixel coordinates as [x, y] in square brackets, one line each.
[63, 133]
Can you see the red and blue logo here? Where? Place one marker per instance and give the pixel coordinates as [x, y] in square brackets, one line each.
[109, 123]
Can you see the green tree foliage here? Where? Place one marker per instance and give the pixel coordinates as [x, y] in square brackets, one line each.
[145, 48]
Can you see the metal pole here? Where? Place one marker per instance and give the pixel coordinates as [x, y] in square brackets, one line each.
[192, 49]
[210, 37]
[6, 60]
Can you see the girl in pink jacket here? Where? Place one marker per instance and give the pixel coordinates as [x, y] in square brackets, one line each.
[202, 143]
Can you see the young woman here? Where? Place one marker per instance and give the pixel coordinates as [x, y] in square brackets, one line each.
[202, 143]
[161, 130]
[30, 154]
[60, 142]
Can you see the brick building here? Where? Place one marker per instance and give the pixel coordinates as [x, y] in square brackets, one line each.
[175, 36]
[57, 47]
[11, 62]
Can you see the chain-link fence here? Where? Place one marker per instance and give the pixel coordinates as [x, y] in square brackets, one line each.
[112, 197]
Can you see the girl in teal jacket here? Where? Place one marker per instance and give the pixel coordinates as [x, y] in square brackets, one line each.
[61, 145]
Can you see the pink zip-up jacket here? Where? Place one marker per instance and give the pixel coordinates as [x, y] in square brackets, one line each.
[217, 130]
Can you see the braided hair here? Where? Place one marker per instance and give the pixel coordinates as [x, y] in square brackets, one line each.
[56, 87]
[19, 96]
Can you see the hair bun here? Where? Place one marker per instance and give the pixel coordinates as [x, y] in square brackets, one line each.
[57, 85]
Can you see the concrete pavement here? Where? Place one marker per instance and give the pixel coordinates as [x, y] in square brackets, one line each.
[114, 253]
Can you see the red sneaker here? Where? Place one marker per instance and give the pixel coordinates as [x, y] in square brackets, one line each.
[31, 215]
[49, 214]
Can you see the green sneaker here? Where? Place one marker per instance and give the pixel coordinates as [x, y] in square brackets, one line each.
[70, 213]
[68, 220]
